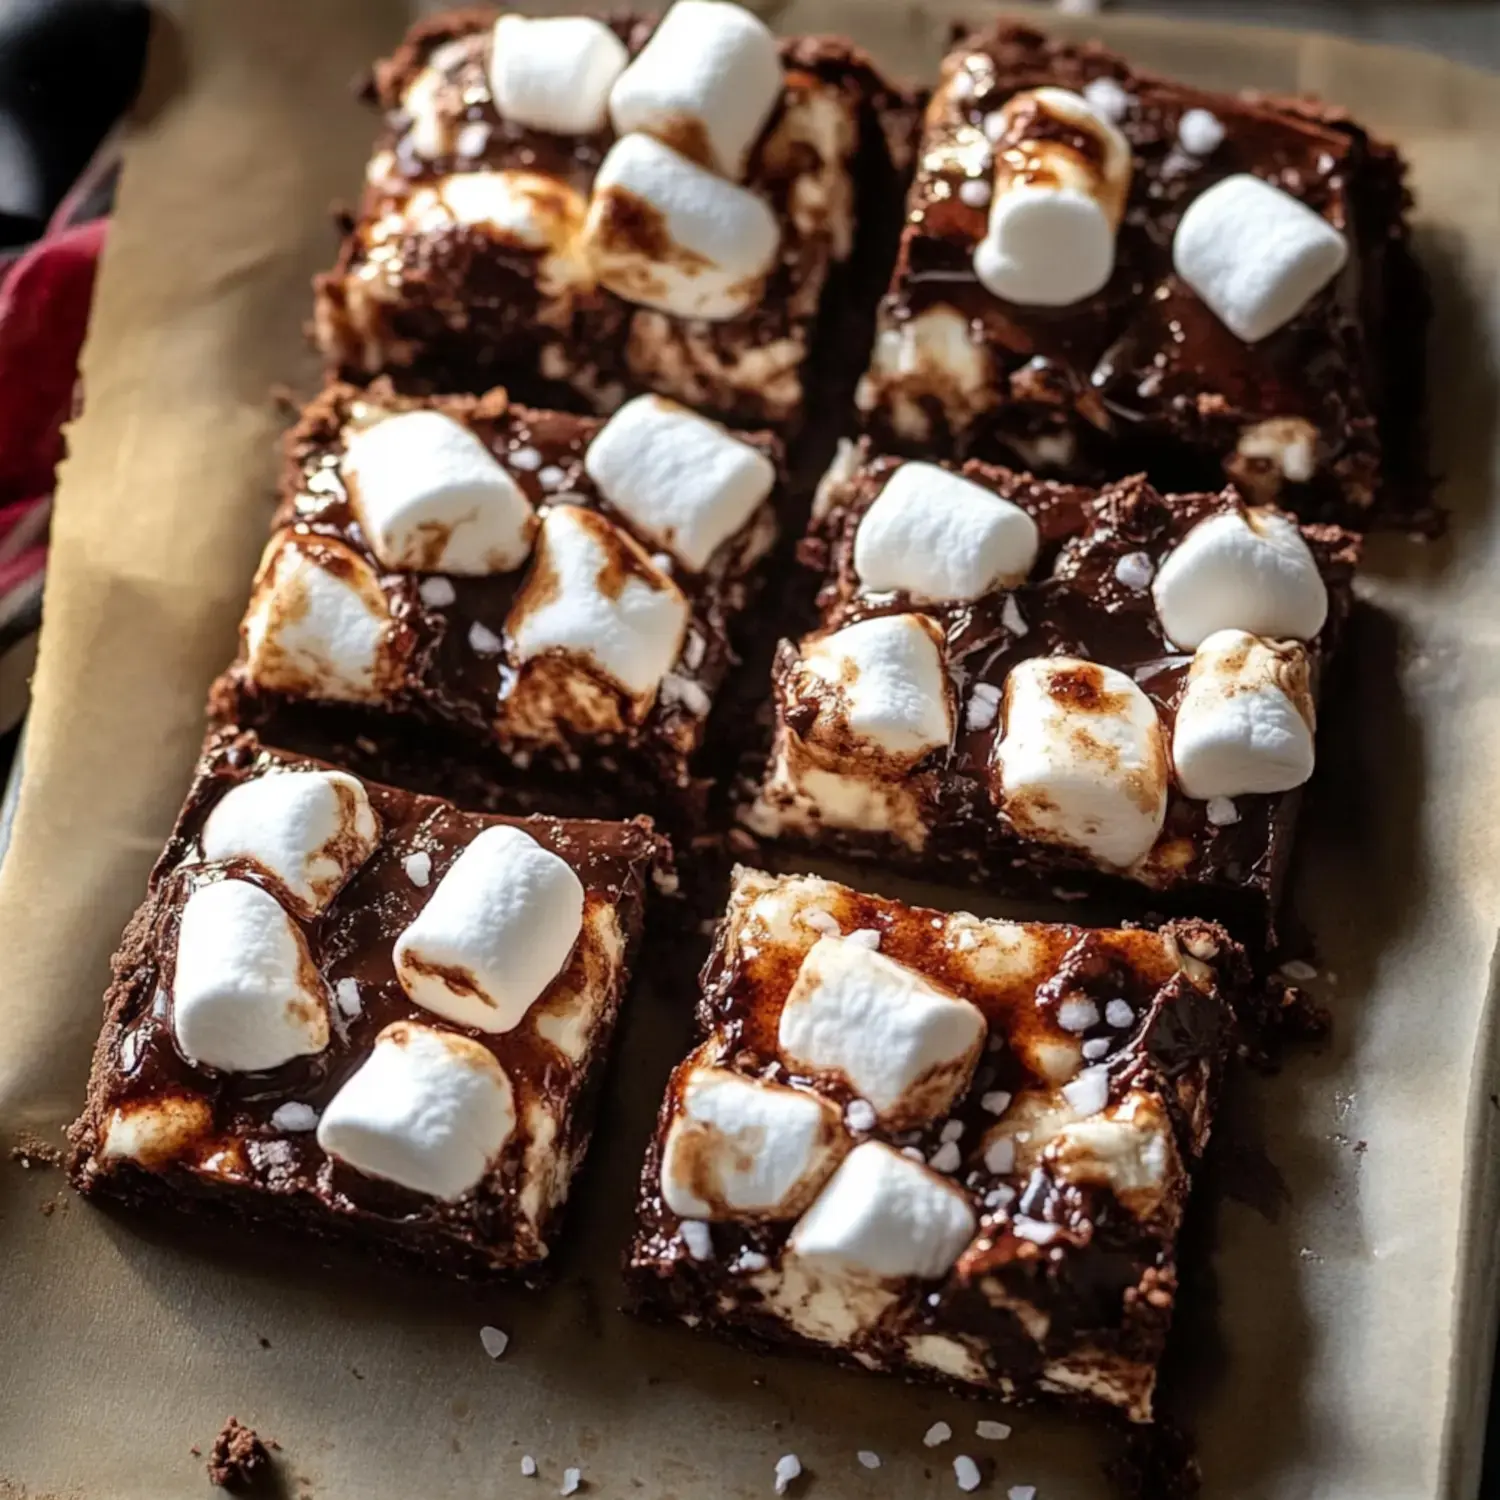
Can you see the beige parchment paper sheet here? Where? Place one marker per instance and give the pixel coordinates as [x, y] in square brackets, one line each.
[1345, 1347]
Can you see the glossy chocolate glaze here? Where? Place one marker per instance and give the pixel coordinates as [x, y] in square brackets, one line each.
[1142, 376]
[444, 679]
[468, 313]
[1073, 604]
[352, 939]
[1105, 1283]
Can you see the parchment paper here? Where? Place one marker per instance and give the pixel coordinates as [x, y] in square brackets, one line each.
[1346, 1353]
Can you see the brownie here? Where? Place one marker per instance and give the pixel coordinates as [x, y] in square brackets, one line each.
[927, 1144]
[535, 624]
[362, 1016]
[482, 253]
[1026, 732]
[1320, 413]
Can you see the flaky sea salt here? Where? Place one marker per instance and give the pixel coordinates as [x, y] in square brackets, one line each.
[966, 1472]
[788, 1467]
[495, 1340]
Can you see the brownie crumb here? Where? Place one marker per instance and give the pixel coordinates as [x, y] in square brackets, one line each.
[32, 1151]
[239, 1458]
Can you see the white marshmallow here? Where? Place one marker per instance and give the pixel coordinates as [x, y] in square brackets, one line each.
[318, 623]
[245, 992]
[496, 931]
[1082, 761]
[310, 830]
[1245, 723]
[431, 498]
[1240, 570]
[665, 233]
[1055, 211]
[1130, 1151]
[428, 1110]
[593, 594]
[705, 83]
[886, 688]
[884, 1215]
[939, 537]
[741, 1148]
[682, 481]
[900, 1042]
[554, 73]
[1256, 255]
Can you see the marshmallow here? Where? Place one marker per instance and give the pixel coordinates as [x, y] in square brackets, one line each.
[683, 482]
[741, 1148]
[941, 538]
[1245, 723]
[1255, 255]
[1055, 209]
[157, 1131]
[428, 1110]
[497, 930]
[885, 690]
[665, 233]
[898, 1040]
[884, 1215]
[1082, 761]
[593, 595]
[705, 83]
[1130, 1151]
[308, 830]
[555, 73]
[245, 992]
[318, 623]
[1240, 570]
[431, 498]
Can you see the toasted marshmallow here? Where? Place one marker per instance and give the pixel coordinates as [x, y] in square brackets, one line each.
[245, 992]
[1129, 1150]
[554, 73]
[741, 1148]
[883, 692]
[318, 624]
[884, 1216]
[705, 83]
[682, 481]
[941, 538]
[1055, 209]
[1082, 761]
[428, 1110]
[431, 498]
[1256, 255]
[897, 1039]
[931, 359]
[157, 1131]
[666, 233]
[1245, 723]
[594, 597]
[1240, 570]
[309, 830]
[494, 934]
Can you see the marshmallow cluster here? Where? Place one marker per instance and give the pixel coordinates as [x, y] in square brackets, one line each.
[307, 830]
[682, 481]
[428, 1110]
[893, 1036]
[1255, 255]
[318, 623]
[430, 496]
[941, 538]
[495, 932]
[596, 607]
[743, 1148]
[1245, 722]
[1082, 760]
[1055, 210]
[1240, 569]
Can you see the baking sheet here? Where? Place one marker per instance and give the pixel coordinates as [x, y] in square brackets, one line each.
[1344, 1338]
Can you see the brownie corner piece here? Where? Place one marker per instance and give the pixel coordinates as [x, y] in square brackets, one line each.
[582, 209]
[362, 1016]
[972, 1141]
[1045, 689]
[1103, 272]
[550, 601]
